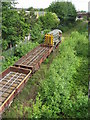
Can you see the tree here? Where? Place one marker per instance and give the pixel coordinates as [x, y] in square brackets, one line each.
[31, 17]
[30, 9]
[49, 21]
[24, 23]
[41, 9]
[14, 25]
[36, 32]
[64, 10]
[9, 21]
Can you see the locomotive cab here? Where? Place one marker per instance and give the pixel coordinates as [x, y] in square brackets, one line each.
[53, 38]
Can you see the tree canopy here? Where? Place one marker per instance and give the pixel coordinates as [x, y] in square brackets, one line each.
[64, 10]
[49, 21]
[14, 27]
[15, 24]
[36, 32]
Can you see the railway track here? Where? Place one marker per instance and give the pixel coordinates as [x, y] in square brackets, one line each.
[13, 79]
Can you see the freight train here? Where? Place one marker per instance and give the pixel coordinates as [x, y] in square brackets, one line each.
[13, 79]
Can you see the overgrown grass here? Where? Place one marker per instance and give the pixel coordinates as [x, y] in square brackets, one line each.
[80, 26]
[64, 91]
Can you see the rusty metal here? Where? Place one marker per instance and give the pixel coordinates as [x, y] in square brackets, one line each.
[28, 54]
[11, 81]
[32, 60]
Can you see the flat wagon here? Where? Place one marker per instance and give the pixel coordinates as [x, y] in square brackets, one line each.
[12, 80]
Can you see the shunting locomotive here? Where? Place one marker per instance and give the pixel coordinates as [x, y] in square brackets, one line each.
[53, 38]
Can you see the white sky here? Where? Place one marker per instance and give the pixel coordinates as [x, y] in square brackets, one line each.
[79, 4]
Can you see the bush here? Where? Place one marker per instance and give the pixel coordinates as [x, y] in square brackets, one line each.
[49, 21]
[46, 31]
[63, 93]
[20, 50]
[36, 34]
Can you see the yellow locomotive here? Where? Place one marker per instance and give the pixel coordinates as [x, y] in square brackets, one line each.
[53, 38]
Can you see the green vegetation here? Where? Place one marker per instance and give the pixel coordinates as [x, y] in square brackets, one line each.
[18, 24]
[59, 89]
[36, 34]
[64, 10]
[63, 84]
[19, 51]
[49, 21]
[80, 26]
[63, 93]
[15, 25]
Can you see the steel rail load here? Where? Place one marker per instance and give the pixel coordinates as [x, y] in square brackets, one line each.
[13, 79]
[33, 61]
[11, 82]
